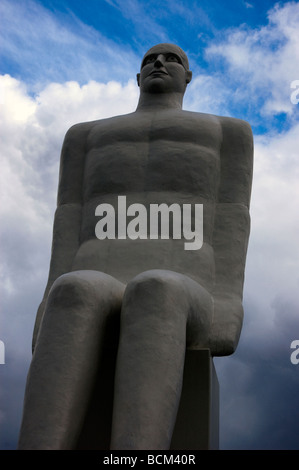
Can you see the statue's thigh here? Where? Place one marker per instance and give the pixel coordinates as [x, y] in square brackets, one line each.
[170, 296]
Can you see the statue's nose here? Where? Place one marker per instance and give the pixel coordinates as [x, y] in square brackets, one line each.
[160, 60]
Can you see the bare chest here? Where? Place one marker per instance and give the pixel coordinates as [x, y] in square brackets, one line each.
[158, 152]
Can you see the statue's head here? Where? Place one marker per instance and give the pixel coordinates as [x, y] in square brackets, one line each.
[164, 68]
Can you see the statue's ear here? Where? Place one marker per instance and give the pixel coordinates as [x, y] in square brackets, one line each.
[138, 79]
[188, 76]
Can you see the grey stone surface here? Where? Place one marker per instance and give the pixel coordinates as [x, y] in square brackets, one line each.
[197, 423]
[142, 302]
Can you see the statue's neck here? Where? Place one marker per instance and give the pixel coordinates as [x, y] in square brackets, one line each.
[153, 101]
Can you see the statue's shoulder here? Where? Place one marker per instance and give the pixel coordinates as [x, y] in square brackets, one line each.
[75, 138]
[236, 135]
[82, 130]
[231, 126]
[237, 139]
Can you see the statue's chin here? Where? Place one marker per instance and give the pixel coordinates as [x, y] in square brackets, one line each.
[157, 85]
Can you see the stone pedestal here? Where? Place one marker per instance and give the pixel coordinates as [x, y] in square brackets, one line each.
[197, 425]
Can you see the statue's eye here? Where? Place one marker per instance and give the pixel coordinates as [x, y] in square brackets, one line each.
[172, 58]
[149, 60]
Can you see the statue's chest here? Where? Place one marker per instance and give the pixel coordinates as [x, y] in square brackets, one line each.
[152, 155]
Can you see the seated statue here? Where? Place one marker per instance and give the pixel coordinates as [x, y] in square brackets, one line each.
[149, 293]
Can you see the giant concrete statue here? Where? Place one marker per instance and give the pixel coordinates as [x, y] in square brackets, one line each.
[148, 257]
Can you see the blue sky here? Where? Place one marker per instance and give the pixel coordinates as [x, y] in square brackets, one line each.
[62, 62]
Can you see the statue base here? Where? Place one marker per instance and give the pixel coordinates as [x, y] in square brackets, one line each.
[197, 424]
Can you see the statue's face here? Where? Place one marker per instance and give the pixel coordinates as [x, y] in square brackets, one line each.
[164, 69]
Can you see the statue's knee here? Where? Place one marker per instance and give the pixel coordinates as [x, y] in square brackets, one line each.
[152, 282]
[91, 289]
[69, 289]
[159, 290]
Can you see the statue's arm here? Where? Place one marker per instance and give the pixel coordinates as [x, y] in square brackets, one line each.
[67, 220]
[231, 234]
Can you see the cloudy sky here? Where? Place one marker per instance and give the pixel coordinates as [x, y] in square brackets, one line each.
[66, 61]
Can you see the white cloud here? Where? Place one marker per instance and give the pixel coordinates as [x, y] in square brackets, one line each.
[207, 94]
[68, 103]
[265, 59]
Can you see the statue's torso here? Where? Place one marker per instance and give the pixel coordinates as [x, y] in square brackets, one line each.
[151, 158]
